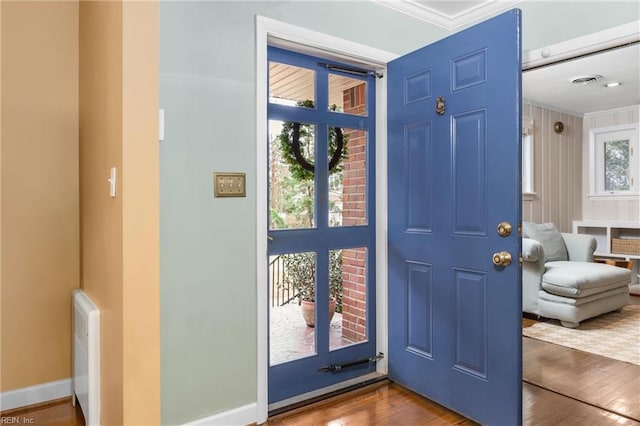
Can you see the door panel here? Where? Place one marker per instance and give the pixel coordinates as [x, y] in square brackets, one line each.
[419, 308]
[419, 177]
[469, 173]
[455, 317]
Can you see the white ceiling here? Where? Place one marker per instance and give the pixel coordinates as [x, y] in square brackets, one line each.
[548, 86]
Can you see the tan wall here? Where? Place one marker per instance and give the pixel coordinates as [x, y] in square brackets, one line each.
[118, 121]
[141, 228]
[101, 215]
[40, 233]
[599, 209]
[557, 169]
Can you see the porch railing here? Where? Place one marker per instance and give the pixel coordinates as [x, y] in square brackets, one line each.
[281, 293]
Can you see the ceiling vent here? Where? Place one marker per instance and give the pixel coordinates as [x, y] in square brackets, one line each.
[585, 79]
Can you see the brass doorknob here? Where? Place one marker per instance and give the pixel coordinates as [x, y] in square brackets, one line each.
[502, 258]
[504, 229]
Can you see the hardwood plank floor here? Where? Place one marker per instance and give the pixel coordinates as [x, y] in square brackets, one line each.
[551, 372]
[599, 381]
[383, 403]
[55, 413]
[541, 407]
[387, 403]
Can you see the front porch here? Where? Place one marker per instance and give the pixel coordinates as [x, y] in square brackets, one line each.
[290, 338]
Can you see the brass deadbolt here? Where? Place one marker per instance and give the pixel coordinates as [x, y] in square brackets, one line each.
[504, 229]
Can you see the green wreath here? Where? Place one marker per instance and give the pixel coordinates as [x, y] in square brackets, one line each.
[297, 151]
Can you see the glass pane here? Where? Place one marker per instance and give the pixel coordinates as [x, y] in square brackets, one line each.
[291, 186]
[291, 85]
[616, 166]
[348, 287]
[348, 178]
[292, 280]
[347, 95]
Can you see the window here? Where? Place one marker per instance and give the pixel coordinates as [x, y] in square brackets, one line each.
[614, 161]
[527, 156]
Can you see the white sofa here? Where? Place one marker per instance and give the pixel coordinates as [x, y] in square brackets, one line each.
[569, 289]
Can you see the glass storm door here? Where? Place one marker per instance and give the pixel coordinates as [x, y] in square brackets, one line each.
[454, 175]
[321, 223]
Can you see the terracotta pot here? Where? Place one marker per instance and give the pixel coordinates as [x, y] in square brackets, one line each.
[309, 311]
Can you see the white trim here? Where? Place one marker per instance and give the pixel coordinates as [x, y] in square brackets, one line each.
[35, 394]
[613, 110]
[381, 226]
[614, 197]
[528, 157]
[308, 41]
[285, 35]
[262, 31]
[238, 416]
[589, 43]
[596, 161]
[433, 16]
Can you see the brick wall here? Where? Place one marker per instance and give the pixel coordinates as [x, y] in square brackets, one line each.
[354, 303]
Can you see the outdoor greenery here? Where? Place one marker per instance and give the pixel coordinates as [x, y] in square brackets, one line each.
[300, 274]
[616, 165]
[292, 204]
[307, 146]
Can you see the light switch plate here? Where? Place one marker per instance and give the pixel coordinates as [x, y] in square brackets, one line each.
[229, 185]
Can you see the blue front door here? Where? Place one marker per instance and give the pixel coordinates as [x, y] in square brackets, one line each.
[454, 176]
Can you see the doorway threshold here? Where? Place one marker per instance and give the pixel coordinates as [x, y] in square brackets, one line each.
[324, 393]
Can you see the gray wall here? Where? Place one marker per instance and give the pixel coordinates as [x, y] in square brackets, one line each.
[207, 88]
[208, 284]
[549, 22]
[557, 169]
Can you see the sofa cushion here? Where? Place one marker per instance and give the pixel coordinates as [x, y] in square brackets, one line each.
[582, 279]
[549, 236]
[577, 302]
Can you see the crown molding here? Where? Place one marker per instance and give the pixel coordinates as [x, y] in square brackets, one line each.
[443, 20]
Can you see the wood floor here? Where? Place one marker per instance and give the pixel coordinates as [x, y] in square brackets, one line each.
[562, 386]
[598, 381]
[387, 403]
[55, 413]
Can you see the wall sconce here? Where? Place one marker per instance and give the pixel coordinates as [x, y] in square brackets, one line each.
[558, 127]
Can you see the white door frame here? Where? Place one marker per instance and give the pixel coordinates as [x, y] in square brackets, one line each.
[276, 33]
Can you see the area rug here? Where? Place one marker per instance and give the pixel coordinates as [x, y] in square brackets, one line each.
[614, 335]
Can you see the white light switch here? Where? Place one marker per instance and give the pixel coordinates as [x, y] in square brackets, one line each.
[161, 124]
[112, 182]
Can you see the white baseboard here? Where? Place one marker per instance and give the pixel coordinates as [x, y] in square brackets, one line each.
[237, 417]
[35, 394]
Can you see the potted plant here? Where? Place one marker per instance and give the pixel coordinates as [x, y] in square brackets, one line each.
[300, 274]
